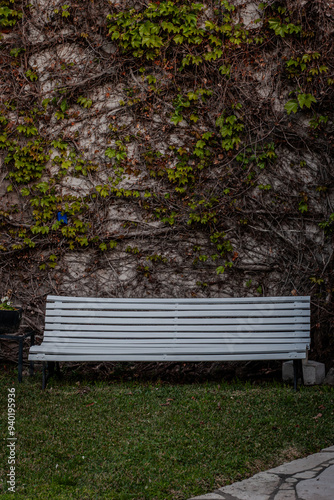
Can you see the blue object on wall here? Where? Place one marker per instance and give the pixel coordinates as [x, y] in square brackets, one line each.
[61, 217]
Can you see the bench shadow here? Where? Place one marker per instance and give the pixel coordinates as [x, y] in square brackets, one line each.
[256, 372]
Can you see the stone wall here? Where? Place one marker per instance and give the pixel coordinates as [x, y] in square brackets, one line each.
[133, 148]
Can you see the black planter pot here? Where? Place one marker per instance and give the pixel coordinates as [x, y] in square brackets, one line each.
[10, 320]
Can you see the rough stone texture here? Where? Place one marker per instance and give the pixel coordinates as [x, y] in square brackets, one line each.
[307, 478]
[330, 448]
[255, 488]
[329, 379]
[302, 464]
[287, 371]
[306, 475]
[314, 372]
[285, 495]
[251, 16]
[209, 496]
[321, 488]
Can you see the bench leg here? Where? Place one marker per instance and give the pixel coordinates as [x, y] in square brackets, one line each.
[45, 378]
[301, 370]
[31, 364]
[297, 370]
[58, 373]
[295, 373]
[20, 365]
[51, 368]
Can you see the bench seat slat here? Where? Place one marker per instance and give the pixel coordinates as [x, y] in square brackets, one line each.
[163, 357]
[54, 348]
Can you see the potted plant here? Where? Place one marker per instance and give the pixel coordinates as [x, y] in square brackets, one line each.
[10, 316]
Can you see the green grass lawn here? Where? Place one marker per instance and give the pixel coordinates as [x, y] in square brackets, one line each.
[141, 440]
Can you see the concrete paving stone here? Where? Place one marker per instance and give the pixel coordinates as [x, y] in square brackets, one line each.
[319, 488]
[329, 379]
[209, 496]
[330, 448]
[306, 475]
[258, 487]
[314, 372]
[291, 480]
[302, 464]
[285, 495]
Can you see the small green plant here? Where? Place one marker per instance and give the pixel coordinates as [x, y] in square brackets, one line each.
[6, 303]
[230, 128]
[303, 100]
[317, 121]
[328, 225]
[316, 281]
[84, 101]
[307, 65]
[16, 51]
[28, 161]
[282, 28]
[65, 12]
[9, 16]
[31, 75]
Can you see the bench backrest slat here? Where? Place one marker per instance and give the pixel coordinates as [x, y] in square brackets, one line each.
[194, 301]
[119, 306]
[117, 339]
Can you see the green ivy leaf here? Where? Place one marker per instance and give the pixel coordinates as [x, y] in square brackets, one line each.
[220, 270]
[63, 105]
[306, 100]
[178, 39]
[111, 153]
[176, 118]
[291, 106]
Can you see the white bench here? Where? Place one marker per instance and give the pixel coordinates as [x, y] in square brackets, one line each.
[236, 329]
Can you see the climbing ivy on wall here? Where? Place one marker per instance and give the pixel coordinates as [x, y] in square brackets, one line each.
[205, 173]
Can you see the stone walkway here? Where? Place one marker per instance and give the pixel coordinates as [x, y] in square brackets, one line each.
[310, 478]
